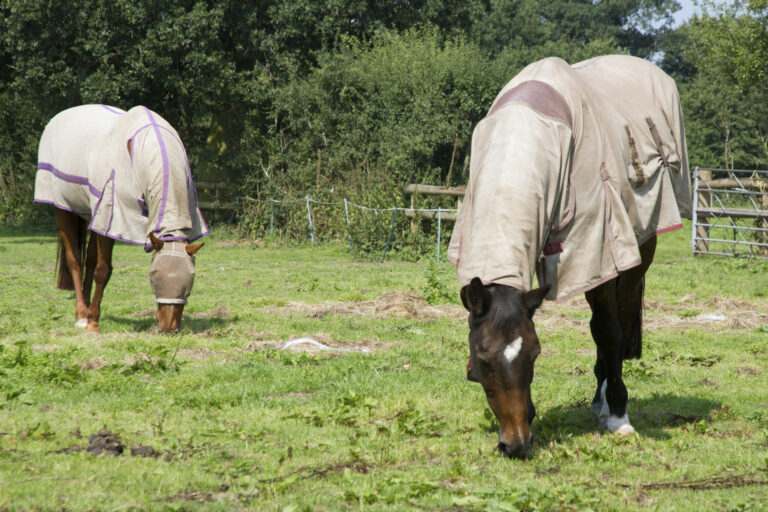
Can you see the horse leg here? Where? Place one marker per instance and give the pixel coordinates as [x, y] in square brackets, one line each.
[90, 267]
[606, 332]
[67, 226]
[599, 370]
[629, 297]
[616, 325]
[101, 276]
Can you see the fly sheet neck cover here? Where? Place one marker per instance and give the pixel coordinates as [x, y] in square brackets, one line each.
[572, 169]
[172, 273]
[125, 172]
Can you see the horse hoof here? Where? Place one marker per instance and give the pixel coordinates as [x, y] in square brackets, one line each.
[93, 329]
[82, 323]
[619, 426]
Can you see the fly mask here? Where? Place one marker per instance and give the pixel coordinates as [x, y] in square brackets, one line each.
[172, 273]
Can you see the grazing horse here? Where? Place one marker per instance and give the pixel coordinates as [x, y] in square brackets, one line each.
[122, 176]
[574, 171]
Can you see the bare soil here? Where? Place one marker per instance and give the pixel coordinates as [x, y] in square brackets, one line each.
[690, 311]
[399, 303]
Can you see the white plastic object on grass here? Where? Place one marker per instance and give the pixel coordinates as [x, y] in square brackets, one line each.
[309, 341]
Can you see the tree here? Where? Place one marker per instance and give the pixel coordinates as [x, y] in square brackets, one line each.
[630, 24]
[730, 49]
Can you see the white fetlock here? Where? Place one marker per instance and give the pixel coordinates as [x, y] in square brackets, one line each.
[602, 417]
[82, 323]
[620, 425]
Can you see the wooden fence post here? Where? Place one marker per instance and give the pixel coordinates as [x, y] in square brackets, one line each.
[704, 201]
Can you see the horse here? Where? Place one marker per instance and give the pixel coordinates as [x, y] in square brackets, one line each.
[123, 176]
[574, 172]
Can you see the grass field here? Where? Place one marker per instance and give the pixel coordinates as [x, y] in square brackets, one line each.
[221, 417]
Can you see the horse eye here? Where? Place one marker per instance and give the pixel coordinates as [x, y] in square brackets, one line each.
[489, 393]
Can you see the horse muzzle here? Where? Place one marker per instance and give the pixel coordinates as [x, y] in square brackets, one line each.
[518, 450]
[169, 317]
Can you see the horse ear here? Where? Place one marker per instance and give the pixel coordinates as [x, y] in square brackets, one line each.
[192, 249]
[533, 299]
[476, 297]
[156, 242]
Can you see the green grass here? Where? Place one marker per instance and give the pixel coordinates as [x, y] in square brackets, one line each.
[241, 424]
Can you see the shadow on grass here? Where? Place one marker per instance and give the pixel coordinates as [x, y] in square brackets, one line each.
[195, 325]
[650, 417]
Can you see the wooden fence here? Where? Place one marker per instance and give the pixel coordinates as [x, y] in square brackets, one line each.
[415, 190]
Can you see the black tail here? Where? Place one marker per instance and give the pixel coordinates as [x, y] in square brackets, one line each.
[633, 341]
[64, 280]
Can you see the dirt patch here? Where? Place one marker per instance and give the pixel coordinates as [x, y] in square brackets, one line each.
[689, 311]
[105, 442]
[320, 344]
[92, 364]
[141, 450]
[728, 481]
[745, 370]
[400, 303]
[198, 354]
[141, 359]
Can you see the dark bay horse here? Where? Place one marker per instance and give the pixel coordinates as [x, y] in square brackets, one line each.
[574, 172]
[122, 176]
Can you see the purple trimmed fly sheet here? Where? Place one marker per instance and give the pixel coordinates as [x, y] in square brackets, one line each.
[128, 170]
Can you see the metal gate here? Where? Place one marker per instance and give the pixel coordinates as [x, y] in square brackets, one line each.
[730, 212]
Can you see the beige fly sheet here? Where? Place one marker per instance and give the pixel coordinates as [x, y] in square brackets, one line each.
[127, 172]
[573, 168]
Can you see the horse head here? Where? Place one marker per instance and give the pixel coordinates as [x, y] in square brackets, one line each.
[503, 349]
[171, 274]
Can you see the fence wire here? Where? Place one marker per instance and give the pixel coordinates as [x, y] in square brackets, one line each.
[367, 229]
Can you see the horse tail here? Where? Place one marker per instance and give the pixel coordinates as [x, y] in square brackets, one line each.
[64, 280]
[633, 344]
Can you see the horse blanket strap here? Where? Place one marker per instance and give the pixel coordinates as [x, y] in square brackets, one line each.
[172, 273]
[126, 172]
[573, 168]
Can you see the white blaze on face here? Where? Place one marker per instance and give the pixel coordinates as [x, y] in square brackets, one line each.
[513, 349]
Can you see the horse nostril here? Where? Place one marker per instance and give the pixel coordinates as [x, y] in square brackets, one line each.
[517, 451]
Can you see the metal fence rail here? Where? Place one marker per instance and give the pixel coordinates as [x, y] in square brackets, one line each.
[730, 212]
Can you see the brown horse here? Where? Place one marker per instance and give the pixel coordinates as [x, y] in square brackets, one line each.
[571, 180]
[504, 347]
[97, 260]
[122, 176]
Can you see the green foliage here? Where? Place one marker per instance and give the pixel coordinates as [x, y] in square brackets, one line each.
[44, 366]
[522, 24]
[351, 98]
[726, 102]
[435, 290]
